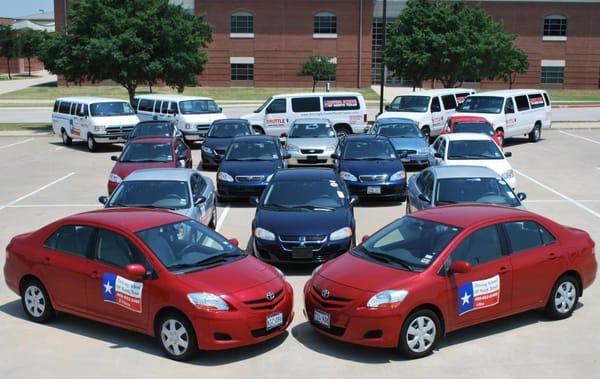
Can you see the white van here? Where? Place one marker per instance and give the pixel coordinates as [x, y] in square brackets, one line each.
[93, 119]
[514, 112]
[430, 109]
[346, 111]
[191, 114]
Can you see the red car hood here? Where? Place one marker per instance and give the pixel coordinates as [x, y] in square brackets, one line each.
[229, 278]
[351, 271]
[123, 169]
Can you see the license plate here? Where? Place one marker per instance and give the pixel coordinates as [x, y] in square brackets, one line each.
[312, 157]
[322, 318]
[274, 320]
[373, 190]
[302, 253]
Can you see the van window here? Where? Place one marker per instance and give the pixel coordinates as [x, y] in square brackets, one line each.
[482, 104]
[460, 97]
[74, 106]
[449, 102]
[111, 108]
[164, 107]
[82, 110]
[546, 99]
[198, 107]
[277, 106]
[522, 103]
[410, 103]
[56, 103]
[340, 103]
[157, 107]
[173, 108]
[146, 105]
[509, 107]
[306, 104]
[536, 100]
[435, 105]
[64, 107]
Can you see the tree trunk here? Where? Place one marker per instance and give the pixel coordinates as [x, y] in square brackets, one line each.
[180, 89]
[29, 64]
[130, 87]
[314, 85]
[150, 87]
[8, 67]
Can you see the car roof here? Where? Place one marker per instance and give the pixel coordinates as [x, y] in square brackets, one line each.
[466, 137]
[90, 99]
[306, 173]
[311, 120]
[434, 92]
[462, 171]
[312, 94]
[175, 174]
[224, 120]
[394, 120]
[468, 118]
[466, 215]
[255, 138]
[130, 219]
[153, 139]
[172, 97]
[365, 137]
[155, 122]
[510, 92]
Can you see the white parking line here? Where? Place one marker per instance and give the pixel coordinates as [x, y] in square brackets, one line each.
[567, 198]
[222, 218]
[52, 205]
[59, 148]
[580, 137]
[36, 191]
[16, 143]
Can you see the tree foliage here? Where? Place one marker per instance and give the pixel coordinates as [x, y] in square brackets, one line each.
[132, 42]
[319, 68]
[30, 42]
[9, 47]
[452, 43]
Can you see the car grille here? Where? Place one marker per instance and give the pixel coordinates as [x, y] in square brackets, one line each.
[409, 152]
[315, 161]
[220, 151]
[289, 243]
[331, 301]
[311, 151]
[119, 129]
[203, 127]
[249, 178]
[373, 178]
[264, 303]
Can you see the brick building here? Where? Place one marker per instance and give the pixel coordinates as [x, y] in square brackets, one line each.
[264, 42]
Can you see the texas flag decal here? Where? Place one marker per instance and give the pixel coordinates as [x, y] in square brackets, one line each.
[121, 291]
[479, 294]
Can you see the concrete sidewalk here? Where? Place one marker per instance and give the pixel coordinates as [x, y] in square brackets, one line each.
[7, 86]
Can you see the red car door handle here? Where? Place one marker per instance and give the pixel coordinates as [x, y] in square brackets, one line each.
[46, 261]
[504, 270]
[94, 275]
[552, 256]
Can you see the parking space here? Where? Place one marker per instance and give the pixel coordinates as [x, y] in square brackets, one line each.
[42, 181]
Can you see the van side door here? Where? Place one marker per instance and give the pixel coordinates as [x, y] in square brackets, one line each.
[524, 122]
[511, 117]
[276, 117]
[81, 121]
[438, 116]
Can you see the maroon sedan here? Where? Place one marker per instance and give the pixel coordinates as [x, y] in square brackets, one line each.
[151, 152]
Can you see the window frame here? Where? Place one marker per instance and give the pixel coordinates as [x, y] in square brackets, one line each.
[559, 79]
[88, 250]
[449, 106]
[94, 250]
[519, 107]
[237, 76]
[268, 107]
[248, 32]
[503, 244]
[322, 31]
[540, 227]
[555, 28]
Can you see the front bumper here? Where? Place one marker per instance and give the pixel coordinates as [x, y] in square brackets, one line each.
[193, 135]
[210, 159]
[276, 252]
[111, 138]
[299, 159]
[388, 190]
[351, 321]
[241, 327]
[416, 160]
[241, 190]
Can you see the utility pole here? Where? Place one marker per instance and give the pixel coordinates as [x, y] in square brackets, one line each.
[383, 38]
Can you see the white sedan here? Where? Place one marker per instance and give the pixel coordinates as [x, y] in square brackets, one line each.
[472, 149]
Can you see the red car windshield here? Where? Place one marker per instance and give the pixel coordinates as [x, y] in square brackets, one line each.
[147, 152]
[474, 127]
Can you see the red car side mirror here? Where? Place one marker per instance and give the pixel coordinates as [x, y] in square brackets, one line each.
[234, 242]
[365, 238]
[460, 267]
[136, 271]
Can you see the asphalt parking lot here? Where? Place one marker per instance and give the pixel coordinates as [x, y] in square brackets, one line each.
[42, 180]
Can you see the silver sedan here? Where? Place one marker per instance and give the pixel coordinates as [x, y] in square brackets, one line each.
[180, 190]
[310, 142]
[442, 185]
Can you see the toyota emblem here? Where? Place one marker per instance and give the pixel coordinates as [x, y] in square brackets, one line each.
[325, 293]
[270, 295]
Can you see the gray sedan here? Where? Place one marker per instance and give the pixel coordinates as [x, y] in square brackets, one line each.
[180, 190]
[442, 185]
[310, 142]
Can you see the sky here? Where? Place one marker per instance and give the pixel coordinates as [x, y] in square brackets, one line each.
[17, 8]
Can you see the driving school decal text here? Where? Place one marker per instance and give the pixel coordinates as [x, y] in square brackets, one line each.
[479, 294]
[121, 291]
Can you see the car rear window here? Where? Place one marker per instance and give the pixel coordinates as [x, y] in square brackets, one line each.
[340, 103]
[73, 239]
[306, 104]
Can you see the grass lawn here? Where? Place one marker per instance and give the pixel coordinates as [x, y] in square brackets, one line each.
[33, 126]
[49, 92]
[574, 95]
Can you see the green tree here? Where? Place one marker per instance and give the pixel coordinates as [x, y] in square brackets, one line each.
[9, 47]
[319, 68]
[30, 42]
[514, 62]
[449, 42]
[132, 42]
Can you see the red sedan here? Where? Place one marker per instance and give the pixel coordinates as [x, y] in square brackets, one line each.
[473, 124]
[150, 271]
[149, 152]
[447, 268]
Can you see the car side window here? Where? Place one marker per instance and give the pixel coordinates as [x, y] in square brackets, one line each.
[115, 250]
[547, 237]
[180, 150]
[522, 103]
[436, 144]
[435, 105]
[72, 239]
[449, 102]
[157, 107]
[164, 107]
[442, 148]
[428, 185]
[306, 104]
[525, 235]
[480, 247]
[509, 107]
[546, 99]
[56, 103]
[421, 180]
[277, 106]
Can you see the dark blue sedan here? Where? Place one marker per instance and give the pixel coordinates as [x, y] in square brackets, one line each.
[406, 138]
[370, 167]
[219, 137]
[305, 215]
[248, 165]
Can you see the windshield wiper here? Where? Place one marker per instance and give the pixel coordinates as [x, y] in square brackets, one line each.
[205, 262]
[370, 159]
[446, 202]
[312, 208]
[388, 259]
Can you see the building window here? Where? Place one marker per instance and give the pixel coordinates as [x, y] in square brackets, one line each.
[555, 28]
[553, 75]
[376, 56]
[242, 72]
[325, 25]
[242, 25]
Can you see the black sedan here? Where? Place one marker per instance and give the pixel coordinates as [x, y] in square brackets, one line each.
[219, 137]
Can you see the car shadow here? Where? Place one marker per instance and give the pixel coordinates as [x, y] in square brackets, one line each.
[312, 339]
[299, 269]
[124, 339]
[374, 203]
[516, 141]
[82, 146]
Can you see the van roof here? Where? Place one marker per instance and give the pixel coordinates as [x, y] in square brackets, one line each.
[510, 92]
[89, 99]
[169, 97]
[437, 92]
[312, 94]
